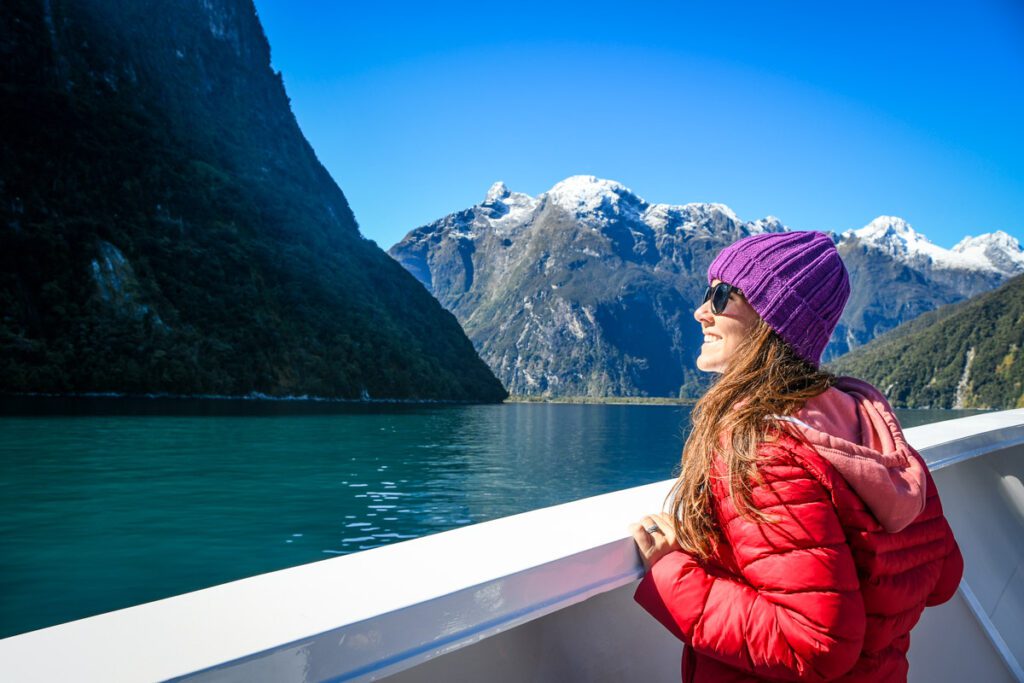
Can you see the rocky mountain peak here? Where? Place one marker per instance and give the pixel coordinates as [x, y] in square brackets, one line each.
[996, 240]
[584, 195]
[1000, 250]
[891, 234]
[505, 209]
[497, 192]
[712, 208]
[767, 224]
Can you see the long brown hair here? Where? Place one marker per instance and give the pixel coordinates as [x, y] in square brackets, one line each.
[764, 378]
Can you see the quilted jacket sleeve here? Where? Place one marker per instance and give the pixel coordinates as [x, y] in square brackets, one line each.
[952, 572]
[794, 611]
[953, 565]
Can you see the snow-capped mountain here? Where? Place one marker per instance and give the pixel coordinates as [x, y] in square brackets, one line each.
[995, 252]
[585, 289]
[589, 289]
[594, 202]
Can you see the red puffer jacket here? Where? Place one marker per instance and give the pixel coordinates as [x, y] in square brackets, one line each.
[823, 592]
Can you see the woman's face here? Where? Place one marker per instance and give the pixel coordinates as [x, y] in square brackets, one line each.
[723, 333]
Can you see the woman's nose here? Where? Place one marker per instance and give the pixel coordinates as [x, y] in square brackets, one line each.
[703, 313]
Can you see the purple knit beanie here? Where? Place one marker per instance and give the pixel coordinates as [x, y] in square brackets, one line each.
[794, 280]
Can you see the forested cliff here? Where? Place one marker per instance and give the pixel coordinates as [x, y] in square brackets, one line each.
[165, 226]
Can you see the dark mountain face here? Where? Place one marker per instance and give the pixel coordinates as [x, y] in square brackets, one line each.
[964, 355]
[166, 226]
[589, 290]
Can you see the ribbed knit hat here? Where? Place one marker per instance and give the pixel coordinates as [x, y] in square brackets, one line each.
[796, 282]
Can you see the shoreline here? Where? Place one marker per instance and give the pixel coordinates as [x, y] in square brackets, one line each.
[605, 400]
[254, 397]
[257, 397]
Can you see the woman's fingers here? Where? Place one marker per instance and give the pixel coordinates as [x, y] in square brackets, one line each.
[665, 526]
[641, 530]
[657, 523]
[644, 542]
[654, 537]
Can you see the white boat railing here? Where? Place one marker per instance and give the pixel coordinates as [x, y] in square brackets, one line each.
[415, 605]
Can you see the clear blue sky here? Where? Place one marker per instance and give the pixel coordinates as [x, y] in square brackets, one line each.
[823, 114]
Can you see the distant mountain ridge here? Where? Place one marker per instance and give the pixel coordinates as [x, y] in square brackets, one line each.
[588, 289]
[166, 228]
[995, 252]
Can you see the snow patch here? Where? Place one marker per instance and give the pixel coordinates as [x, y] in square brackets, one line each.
[505, 209]
[692, 216]
[587, 194]
[719, 208]
[497, 192]
[576, 328]
[767, 224]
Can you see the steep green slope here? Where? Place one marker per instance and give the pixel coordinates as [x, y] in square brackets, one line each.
[966, 355]
[165, 227]
[885, 291]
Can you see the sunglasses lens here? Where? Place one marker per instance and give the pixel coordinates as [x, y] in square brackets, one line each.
[720, 298]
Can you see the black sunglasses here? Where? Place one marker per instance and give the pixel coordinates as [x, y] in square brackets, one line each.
[719, 296]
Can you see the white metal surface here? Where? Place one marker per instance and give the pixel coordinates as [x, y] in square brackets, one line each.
[378, 612]
[360, 615]
[952, 441]
[1003, 648]
[983, 499]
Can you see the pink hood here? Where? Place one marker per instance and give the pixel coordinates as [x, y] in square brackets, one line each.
[853, 427]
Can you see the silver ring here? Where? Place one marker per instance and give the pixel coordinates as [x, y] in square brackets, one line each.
[652, 529]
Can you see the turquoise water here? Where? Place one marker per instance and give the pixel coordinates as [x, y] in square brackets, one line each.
[109, 503]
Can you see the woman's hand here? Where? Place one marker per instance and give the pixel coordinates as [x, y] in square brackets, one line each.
[654, 545]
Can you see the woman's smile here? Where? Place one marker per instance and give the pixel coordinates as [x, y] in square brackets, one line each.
[723, 333]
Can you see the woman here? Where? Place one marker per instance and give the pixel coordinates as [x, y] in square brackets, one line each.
[805, 536]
